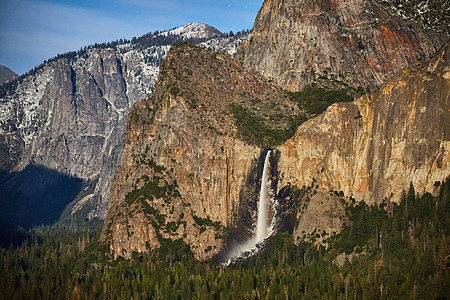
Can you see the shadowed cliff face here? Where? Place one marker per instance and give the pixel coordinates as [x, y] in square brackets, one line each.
[187, 140]
[70, 116]
[361, 43]
[35, 196]
[374, 147]
[72, 121]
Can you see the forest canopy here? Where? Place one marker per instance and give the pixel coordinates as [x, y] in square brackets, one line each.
[396, 250]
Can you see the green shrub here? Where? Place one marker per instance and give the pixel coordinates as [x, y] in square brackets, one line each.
[315, 100]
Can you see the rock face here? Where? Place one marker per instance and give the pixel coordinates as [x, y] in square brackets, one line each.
[374, 147]
[186, 165]
[70, 115]
[434, 14]
[320, 215]
[357, 43]
[6, 75]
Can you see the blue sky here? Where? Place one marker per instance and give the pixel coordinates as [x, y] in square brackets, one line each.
[34, 30]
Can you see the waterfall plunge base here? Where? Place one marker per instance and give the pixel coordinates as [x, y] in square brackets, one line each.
[264, 225]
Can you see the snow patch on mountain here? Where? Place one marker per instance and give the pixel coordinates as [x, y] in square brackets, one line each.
[226, 44]
[20, 115]
[431, 14]
[195, 30]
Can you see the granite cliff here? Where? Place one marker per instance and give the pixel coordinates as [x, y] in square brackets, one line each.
[373, 148]
[341, 43]
[190, 165]
[188, 162]
[189, 158]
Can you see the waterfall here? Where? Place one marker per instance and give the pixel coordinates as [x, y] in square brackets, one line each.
[264, 223]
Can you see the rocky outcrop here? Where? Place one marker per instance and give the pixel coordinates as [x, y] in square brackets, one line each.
[70, 114]
[345, 43]
[186, 162]
[6, 75]
[375, 147]
[321, 214]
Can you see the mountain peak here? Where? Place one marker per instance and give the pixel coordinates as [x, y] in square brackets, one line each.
[195, 30]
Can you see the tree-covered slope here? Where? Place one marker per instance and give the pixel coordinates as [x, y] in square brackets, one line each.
[397, 251]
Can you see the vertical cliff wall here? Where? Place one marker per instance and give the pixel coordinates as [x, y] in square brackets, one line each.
[374, 147]
[359, 43]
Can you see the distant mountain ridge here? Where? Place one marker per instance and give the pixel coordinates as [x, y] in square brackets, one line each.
[6, 75]
[70, 113]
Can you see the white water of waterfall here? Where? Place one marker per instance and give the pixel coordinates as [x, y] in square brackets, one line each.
[263, 224]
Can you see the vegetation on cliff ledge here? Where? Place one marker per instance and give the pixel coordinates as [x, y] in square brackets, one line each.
[311, 102]
[315, 100]
[253, 130]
